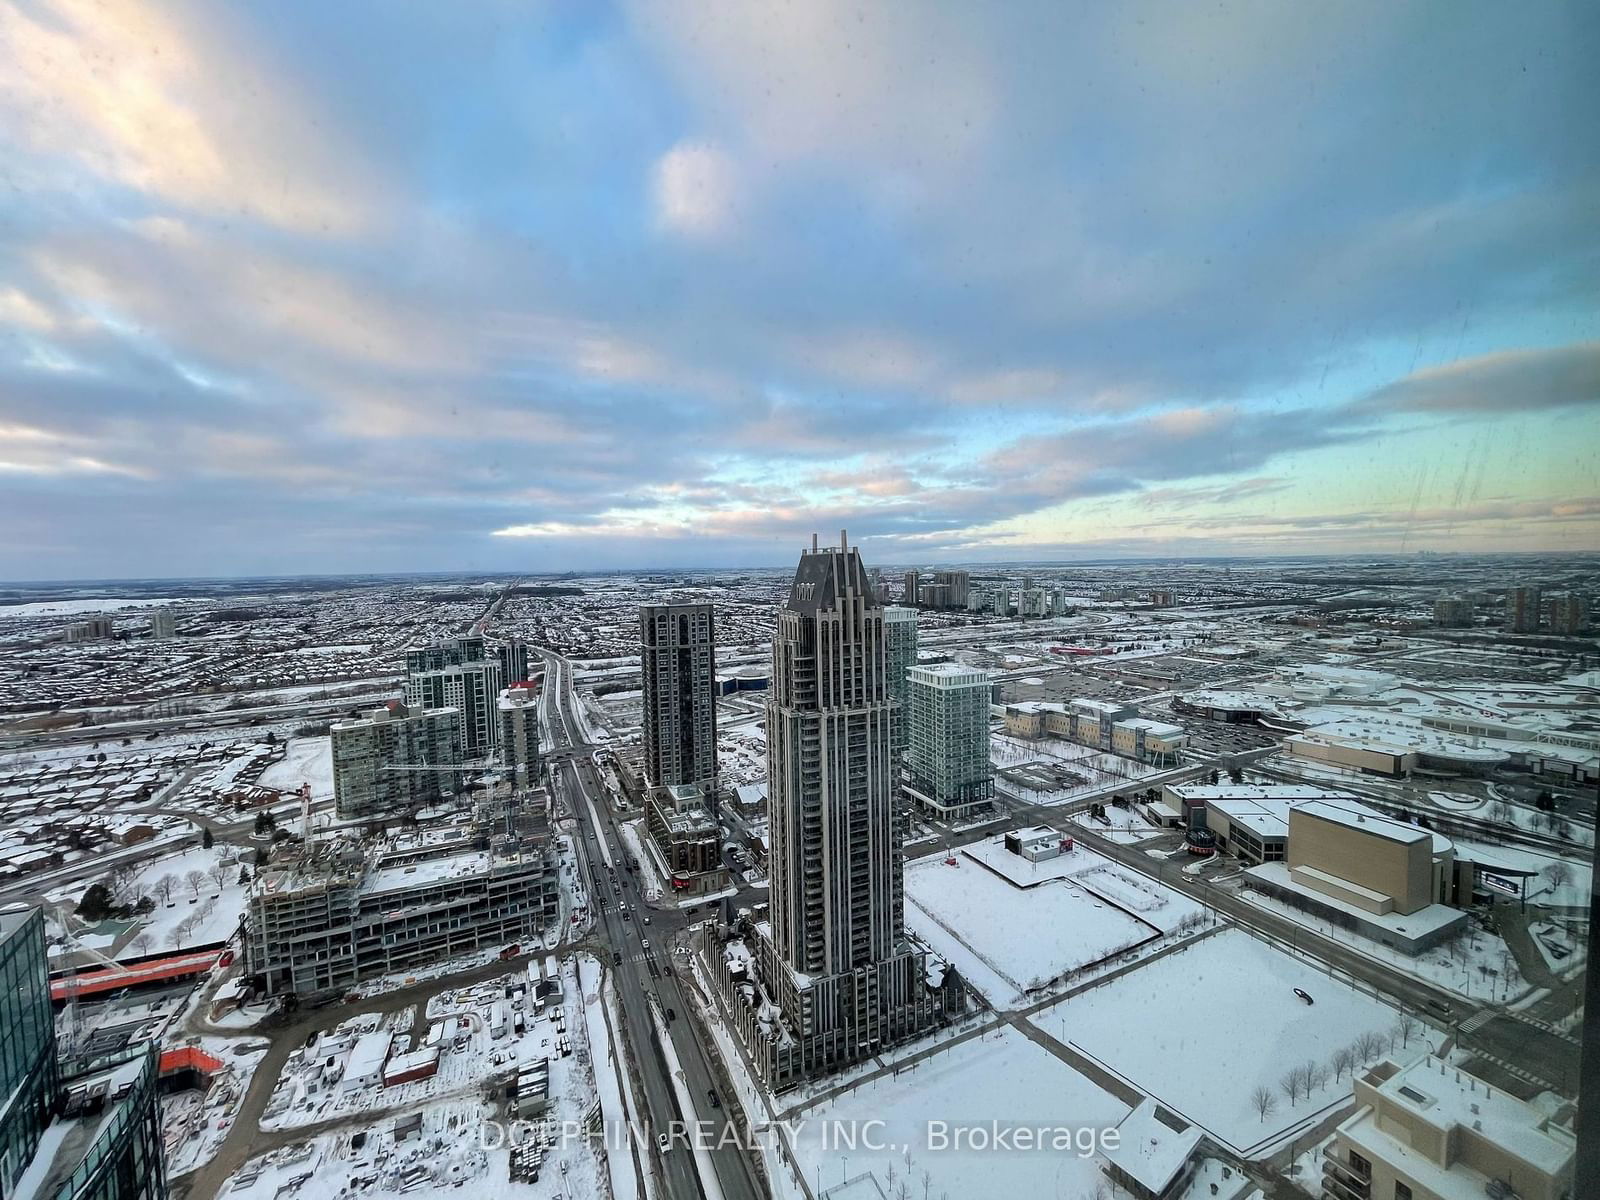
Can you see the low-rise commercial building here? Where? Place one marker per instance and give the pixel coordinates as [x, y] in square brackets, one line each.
[1427, 1130]
[1103, 724]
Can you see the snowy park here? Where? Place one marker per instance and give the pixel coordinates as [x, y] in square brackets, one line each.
[1215, 1030]
[999, 1081]
[1015, 928]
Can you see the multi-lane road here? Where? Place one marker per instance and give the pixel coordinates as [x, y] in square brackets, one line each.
[643, 973]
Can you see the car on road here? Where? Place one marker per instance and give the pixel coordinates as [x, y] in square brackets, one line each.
[645, 918]
[662, 1144]
[1304, 995]
[645, 943]
[616, 958]
[711, 1095]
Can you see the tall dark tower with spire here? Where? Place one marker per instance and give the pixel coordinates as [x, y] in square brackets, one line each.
[841, 979]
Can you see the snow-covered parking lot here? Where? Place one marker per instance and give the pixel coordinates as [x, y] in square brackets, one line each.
[1203, 1028]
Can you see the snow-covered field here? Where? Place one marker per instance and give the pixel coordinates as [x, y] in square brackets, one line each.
[99, 604]
[1016, 934]
[306, 760]
[1002, 1079]
[1202, 1028]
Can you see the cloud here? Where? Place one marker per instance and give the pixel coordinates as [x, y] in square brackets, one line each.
[175, 108]
[663, 274]
[695, 187]
[1510, 381]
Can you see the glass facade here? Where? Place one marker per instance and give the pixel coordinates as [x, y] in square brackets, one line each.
[113, 1150]
[27, 1042]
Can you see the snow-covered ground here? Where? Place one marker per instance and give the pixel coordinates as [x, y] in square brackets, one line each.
[1016, 928]
[195, 1123]
[200, 911]
[1476, 965]
[1127, 825]
[465, 1139]
[1029, 936]
[1095, 769]
[1202, 1028]
[1001, 1080]
[305, 760]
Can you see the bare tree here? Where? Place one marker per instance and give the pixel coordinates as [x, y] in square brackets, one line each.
[1368, 1046]
[141, 944]
[1559, 875]
[194, 877]
[1264, 1102]
[1500, 811]
[1289, 1084]
[1343, 1060]
[123, 884]
[1405, 1025]
[218, 873]
[1313, 1076]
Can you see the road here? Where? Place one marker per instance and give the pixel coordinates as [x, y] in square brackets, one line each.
[641, 968]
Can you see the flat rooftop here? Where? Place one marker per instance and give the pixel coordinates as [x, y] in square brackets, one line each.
[1448, 1098]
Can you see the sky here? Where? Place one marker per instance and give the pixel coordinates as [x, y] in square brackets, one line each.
[307, 287]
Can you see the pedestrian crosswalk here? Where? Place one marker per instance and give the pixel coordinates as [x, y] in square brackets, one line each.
[1477, 1021]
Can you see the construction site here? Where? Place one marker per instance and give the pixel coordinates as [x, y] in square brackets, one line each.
[342, 908]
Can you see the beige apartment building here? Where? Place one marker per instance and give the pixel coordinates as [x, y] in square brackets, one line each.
[1430, 1131]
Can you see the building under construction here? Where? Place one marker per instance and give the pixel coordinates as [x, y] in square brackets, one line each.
[334, 911]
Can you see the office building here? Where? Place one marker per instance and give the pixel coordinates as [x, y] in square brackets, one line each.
[330, 913]
[910, 593]
[1569, 613]
[162, 623]
[68, 1130]
[395, 760]
[957, 583]
[460, 674]
[1522, 610]
[1452, 613]
[1429, 1130]
[836, 978]
[947, 761]
[519, 735]
[900, 639]
[678, 673]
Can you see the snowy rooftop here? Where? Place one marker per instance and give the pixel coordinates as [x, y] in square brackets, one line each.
[1411, 925]
[1358, 816]
[1401, 734]
[1457, 1104]
[1154, 1146]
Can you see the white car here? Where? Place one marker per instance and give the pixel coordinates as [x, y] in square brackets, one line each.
[662, 1143]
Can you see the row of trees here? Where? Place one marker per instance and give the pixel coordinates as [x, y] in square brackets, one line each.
[1305, 1079]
